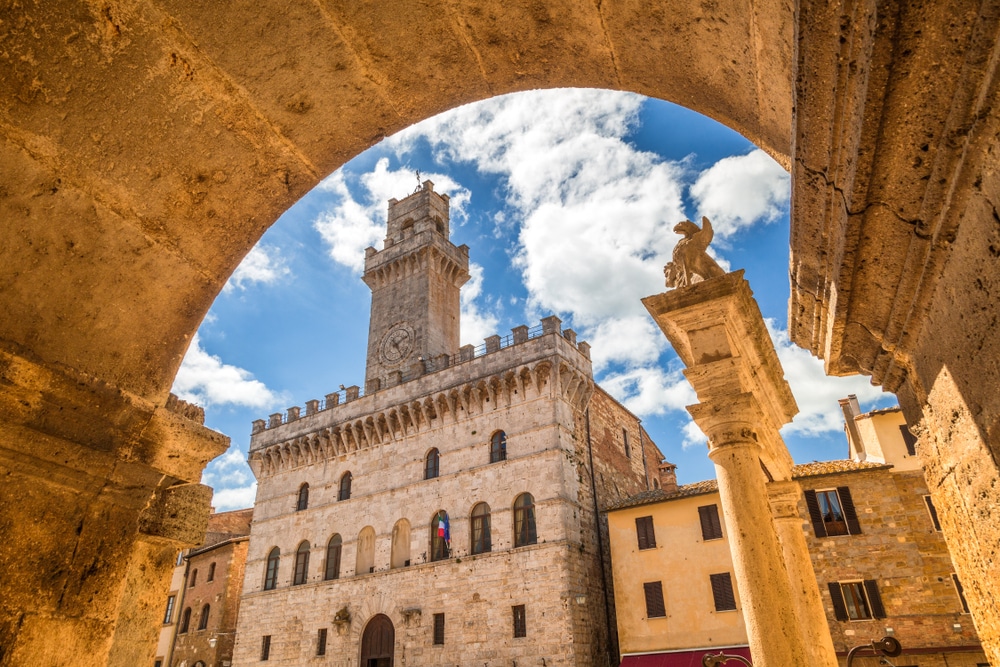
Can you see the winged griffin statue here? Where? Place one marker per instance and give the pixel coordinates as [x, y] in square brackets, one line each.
[691, 263]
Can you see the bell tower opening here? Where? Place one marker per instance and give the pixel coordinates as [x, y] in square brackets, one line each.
[415, 281]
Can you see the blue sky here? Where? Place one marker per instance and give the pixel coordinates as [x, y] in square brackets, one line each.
[567, 200]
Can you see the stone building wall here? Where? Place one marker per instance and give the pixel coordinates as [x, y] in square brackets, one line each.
[900, 549]
[559, 579]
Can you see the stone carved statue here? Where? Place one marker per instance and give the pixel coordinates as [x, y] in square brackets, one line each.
[691, 263]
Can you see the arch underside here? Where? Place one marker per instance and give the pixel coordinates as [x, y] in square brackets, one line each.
[153, 143]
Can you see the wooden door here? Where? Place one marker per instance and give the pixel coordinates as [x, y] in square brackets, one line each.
[377, 642]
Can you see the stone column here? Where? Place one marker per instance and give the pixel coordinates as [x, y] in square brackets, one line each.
[718, 332]
[776, 638]
[788, 522]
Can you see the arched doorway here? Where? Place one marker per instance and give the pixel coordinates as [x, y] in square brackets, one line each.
[378, 642]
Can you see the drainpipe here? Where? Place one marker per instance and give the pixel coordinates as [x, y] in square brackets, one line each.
[600, 538]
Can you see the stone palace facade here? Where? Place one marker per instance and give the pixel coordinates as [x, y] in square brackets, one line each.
[449, 515]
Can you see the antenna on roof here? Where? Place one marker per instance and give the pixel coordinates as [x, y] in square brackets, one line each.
[419, 186]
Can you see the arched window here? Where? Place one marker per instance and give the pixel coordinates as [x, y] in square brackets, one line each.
[400, 556]
[303, 498]
[185, 621]
[271, 576]
[211, 573]
[345, 486]
[301, 564]
[440, 536]
[194, 578]
[524, 521]
[481, 542]
[203, 622]
[498, 447]
[333, 558]
[365, 561]
[432, 464]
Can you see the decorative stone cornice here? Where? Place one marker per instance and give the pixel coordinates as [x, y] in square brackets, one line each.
[551, 376]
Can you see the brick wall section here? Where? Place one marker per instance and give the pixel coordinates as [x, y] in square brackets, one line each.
[898, 547]
[223, 596]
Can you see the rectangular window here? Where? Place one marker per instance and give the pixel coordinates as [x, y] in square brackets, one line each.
[961, 593]
[933, 512]
[439, 629]
[711, 526]
[644, 531]
[722, 591]
[168, 616]
[321, 642]
[520, 621]
[158, 662]
[856, 600]
[653, 591]
[832, 512]
[265, 647]
[628, 450]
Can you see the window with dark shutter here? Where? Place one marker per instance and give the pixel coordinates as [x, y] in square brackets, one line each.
[933, 512]
[203, 623]
[265, 647]
[439, 629]
[654, 599]
[722, 591]
[644, 532]
[853, 527]
[301, 564]
[832, 512]
[303, 501]
[909, 440]
[711, 526]
[321, 642]
[874, 598]
[839, 608]
[961, 593]
[520, 621]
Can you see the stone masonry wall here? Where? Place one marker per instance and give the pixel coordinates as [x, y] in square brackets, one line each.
[900, 549]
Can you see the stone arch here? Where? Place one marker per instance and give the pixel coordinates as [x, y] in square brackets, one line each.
[191, 216]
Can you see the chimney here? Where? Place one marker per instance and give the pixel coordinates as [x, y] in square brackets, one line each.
[668, 476]
[851, 409]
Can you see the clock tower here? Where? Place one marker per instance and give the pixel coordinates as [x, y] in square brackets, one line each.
[415, 281]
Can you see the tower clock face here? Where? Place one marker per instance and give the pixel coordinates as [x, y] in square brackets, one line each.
[397, 344]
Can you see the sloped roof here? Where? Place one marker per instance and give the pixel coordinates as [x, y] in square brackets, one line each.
[814, 469]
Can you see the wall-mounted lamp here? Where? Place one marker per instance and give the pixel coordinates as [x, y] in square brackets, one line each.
[581, 599]
[957, 627]
[889, 632]
[212, 642]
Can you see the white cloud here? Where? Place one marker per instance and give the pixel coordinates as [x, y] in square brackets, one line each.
[204, 379]
[263, 264]
[234, 498]
[475, 324]
[596, 213]
[630, 340]
[815, 392]
[738, 191]
[350, 225]
[650, 391]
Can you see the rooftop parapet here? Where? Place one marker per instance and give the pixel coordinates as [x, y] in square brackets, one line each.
[519, 335]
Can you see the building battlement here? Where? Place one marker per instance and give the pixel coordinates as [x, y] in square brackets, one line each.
[518, 364]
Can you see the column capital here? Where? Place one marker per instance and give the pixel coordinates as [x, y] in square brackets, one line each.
[784, 498]
[728, 422]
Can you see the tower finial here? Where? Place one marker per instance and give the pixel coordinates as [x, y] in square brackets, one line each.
[419, 185]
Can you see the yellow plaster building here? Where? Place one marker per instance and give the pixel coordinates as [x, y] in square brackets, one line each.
[876, 545]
